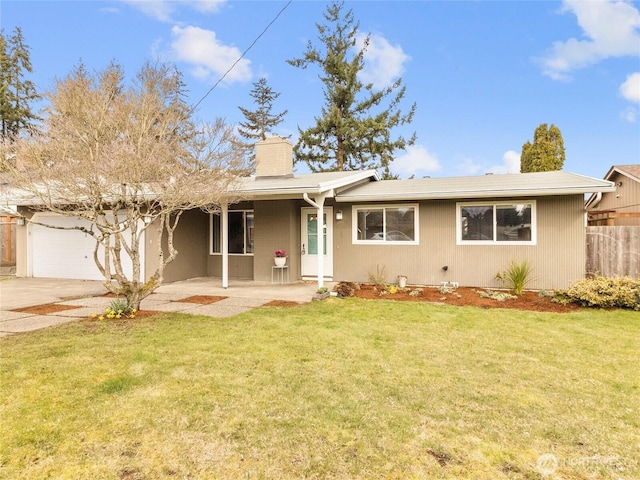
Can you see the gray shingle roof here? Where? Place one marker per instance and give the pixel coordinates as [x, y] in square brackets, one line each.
[508, 185]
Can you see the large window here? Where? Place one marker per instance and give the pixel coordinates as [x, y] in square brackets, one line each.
[240, 232]
[490, 223]
[394, 224]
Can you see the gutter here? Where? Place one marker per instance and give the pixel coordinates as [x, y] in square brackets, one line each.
[448, 195]
[591, 205]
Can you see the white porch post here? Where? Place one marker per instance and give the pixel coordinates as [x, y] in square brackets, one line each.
[224, 220]
[321, 227]
[318, 203]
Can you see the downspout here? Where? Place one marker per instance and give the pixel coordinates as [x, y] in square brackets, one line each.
[318, 203]
[591, 207]
[224, 219]
[595, 202]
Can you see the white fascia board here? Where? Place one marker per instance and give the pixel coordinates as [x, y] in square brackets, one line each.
[348, 180]
[446, 195]
[285, 192]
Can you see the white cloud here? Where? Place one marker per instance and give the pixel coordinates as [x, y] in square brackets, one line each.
[416, 161]
[611, 29]
[469, 167]
[162, 10]
[510, 163]
[209, 59]
[383, 62]
[630, 89]
[630, 114]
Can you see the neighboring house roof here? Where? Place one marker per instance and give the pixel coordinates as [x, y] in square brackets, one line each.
[297, 185]
[486, 186]
[631, 171]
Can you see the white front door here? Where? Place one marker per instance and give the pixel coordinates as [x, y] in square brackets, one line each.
[309, 241]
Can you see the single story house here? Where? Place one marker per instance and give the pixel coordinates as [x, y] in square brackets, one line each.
[347, 225]
[622, 206]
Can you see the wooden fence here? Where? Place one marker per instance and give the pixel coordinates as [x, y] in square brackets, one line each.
[613, 251]
[7, 241]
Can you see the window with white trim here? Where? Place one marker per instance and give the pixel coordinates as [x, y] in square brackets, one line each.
[240, 232]
[385, 224]
[489, 223]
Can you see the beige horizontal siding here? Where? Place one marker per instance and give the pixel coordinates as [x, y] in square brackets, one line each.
[558, 258]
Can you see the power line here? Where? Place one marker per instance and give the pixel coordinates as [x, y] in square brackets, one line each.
[242, 56]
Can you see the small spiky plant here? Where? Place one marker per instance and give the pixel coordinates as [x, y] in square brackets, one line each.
[517, 276]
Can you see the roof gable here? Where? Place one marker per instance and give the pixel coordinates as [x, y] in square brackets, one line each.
[297, 185]
[631, 171]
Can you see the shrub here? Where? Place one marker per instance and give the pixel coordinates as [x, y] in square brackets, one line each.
[517, 276]
[346, 289]
[604, 292]
[379, 277]
[496, 295]
[118, 308]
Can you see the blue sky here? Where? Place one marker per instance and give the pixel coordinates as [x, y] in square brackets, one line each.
[484, 74]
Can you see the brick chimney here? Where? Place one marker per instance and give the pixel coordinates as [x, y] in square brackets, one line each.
[274, 158]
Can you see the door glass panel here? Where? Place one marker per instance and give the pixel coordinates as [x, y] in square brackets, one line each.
[312, 234]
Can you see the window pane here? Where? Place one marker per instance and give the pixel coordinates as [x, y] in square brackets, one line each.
[249, 232]
[236, 232]
[477, 222]
[370, 225]
[215, 225]
[400, 224]
[513, 223]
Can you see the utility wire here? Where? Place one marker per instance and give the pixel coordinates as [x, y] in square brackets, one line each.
[241, 56]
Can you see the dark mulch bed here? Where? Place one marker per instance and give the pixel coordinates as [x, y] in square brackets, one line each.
[202, 299]
[467, 296]
[45, 309]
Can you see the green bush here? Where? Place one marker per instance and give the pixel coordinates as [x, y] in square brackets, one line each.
[605, 292]
[517, 276]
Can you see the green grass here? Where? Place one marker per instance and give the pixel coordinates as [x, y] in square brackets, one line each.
[334, 389]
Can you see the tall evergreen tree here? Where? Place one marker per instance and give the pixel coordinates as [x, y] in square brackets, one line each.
[354, 129]
[546, 153]
[16, 92]
[260, 122]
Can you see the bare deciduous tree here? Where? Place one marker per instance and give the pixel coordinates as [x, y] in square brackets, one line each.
[126, 159]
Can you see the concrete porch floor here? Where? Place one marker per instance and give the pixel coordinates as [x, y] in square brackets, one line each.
[87, 296]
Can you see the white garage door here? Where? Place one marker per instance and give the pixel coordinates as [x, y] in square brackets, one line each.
[66, 253]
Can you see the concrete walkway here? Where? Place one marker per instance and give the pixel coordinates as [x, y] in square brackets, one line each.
[86, 295]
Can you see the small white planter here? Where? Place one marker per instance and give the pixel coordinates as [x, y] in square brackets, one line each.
[402, 281]
[280, 261]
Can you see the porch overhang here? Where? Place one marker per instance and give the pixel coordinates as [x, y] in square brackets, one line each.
[328, 184]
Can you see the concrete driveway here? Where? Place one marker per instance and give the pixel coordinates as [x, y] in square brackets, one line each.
[86, 297]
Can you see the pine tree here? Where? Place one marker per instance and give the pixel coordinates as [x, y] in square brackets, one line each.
[546, 153]
[354, 129]
[259, 123]
[16, 93]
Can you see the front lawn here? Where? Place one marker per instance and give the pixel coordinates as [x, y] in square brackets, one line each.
[335, 389]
